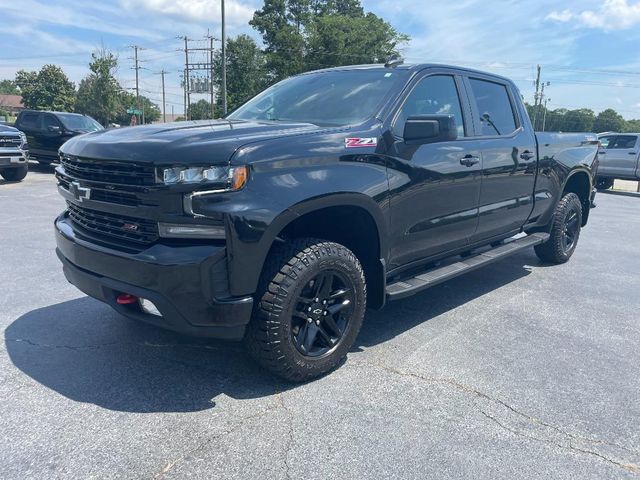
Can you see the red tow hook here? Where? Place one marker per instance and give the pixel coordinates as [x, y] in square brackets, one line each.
[126, 299]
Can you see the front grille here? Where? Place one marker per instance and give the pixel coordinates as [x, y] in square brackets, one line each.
[105, 195]
[119, 227]
[123, 173]
[10, 141]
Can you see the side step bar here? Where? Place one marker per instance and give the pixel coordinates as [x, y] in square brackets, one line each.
[429, 278]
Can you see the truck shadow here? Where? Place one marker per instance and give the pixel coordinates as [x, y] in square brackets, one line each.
[86, 352]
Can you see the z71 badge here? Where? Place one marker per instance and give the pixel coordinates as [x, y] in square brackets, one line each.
[360, 142]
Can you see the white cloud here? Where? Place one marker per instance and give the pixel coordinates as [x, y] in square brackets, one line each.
[236, 12]
[611, 15]
[563, 16]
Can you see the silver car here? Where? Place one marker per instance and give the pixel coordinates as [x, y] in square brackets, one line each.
[618, 158]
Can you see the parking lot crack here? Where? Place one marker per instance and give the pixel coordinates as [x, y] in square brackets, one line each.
[290, 435]
[170, 465]
[68, 347]
[565, 439]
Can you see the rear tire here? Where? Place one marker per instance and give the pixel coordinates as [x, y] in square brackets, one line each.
[15, 174]
[309, 309]
[604, 183]
[565, 231]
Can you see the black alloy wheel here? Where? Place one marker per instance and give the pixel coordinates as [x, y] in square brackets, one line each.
[322, 313]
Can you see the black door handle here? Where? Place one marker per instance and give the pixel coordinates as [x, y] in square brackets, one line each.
[632, 153]
[601, 152]
[527, 155]
[469, 160]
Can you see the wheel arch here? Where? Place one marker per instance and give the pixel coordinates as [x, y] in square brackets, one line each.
[580, 182]
[351, 219]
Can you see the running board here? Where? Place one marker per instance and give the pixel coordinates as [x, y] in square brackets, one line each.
[429, 278]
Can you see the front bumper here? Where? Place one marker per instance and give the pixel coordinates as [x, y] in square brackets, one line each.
[188, 284]
[12, 159]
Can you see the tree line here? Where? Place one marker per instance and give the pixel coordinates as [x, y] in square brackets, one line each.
[297, 36]
[580, 120]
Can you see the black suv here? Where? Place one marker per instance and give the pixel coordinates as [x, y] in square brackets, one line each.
[47, 131]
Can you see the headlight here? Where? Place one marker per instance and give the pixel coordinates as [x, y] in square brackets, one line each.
[23, 137]
[232, 178]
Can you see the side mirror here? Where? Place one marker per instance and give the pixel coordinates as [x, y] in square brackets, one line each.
[54, 129]
[421, 129]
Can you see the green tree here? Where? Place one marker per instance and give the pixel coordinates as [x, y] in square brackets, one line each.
[301, 35]
[48, 89]
[246, 71]
[127, 100]
[201, 110]
[609, 121]
[99, 92]
[8, 87]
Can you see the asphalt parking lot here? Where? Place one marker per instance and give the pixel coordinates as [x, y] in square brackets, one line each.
[518, 370]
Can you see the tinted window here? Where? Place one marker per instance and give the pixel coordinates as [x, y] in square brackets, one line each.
[29, 120]
[79, 122]
[605, 141]
[623, 141]
[433, 95]
[340, 97]
[49, 121]
[494, 107]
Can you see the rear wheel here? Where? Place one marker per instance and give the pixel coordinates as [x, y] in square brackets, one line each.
[310, 309]
[604, 183]
[565, 231]
[15, 174]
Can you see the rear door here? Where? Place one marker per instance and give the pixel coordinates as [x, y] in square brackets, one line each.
[618, 156]
[29, 124]
[51, 136]
[435, 186]
[509, 158]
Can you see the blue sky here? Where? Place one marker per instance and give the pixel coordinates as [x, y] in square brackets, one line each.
[588, 49]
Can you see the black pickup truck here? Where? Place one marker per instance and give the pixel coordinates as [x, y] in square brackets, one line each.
[327, 193]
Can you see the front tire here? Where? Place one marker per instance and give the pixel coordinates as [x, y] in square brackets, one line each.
[565, 231]
[15, 174]
[310, 308]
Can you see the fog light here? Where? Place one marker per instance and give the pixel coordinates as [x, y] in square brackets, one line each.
[149, 307]
[181, 230]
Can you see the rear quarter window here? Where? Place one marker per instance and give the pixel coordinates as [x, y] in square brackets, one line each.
[494, 107]
[29, 120]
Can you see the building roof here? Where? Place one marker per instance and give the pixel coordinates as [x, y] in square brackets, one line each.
[11, 101]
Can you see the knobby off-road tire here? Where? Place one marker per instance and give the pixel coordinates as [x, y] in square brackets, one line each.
[309, 309]
[15, 174]
[565, 231]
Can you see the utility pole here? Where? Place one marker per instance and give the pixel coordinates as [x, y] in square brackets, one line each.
[164, 103]
[136, 67]
[540, 99]
[536, 97]
[213, 108]
[187, 86]
[224, 63]
[544, 116]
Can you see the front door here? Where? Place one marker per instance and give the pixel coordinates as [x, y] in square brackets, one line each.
[434, 187]
[618, 156]
[509, 156]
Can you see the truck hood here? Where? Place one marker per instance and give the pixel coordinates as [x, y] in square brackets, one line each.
[209, 142]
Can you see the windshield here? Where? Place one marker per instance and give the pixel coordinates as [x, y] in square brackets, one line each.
[79, 122]
[338, 98]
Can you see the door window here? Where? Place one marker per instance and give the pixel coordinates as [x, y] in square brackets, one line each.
[50, 121]
[434, 95]
[606, 141]
[494, 107]
[29, 120]
[622, 141]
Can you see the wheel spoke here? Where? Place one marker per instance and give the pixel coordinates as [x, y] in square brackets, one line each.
[326, 338]
[311, 332]
[333, 309]
[324, 285]
[333, 326]
[299, 314]
[338, 293]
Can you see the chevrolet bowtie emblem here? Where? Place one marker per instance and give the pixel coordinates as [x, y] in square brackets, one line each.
[79, 193]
